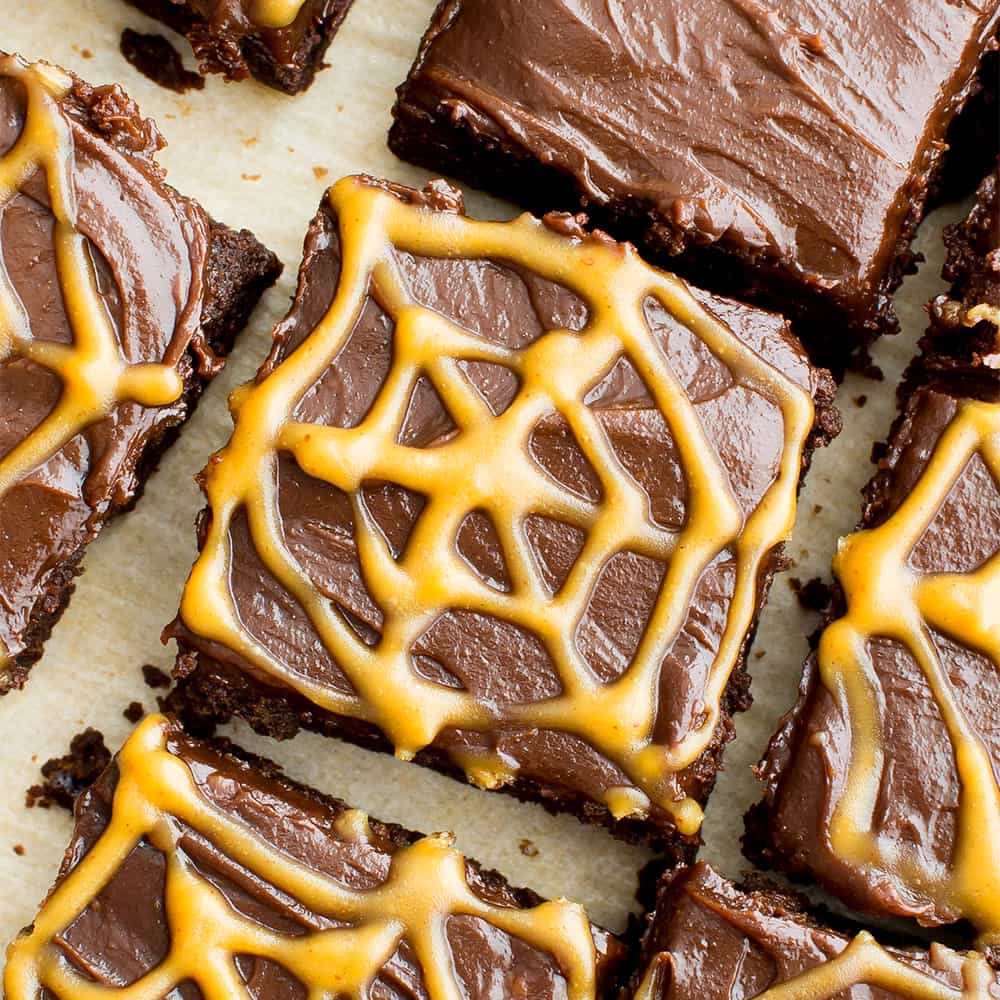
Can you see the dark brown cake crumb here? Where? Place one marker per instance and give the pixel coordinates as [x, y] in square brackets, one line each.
[154, 676]
[67, 776]
[528, 848]
[860, 401]
[134, 712]
[19, 850]
[813, 595]
[159, 61]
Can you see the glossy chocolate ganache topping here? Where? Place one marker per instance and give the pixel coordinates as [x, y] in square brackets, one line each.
[192, 874]
[505, 490]
[100, 298]
[795, 134]
[712, 941]
[885, 779]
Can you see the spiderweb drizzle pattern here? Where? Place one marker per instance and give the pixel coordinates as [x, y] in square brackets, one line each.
[156, 799]
[887, 598]
[487, 465]
[95, 376]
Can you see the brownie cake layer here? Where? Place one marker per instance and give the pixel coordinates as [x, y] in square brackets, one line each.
[279, 42]
[783, 153]
[710, 940]
[506, 499]
[118, 299]
[883, 782]
[965, 324]
[196, 871]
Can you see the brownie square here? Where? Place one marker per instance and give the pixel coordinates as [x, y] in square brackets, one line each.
[781, 152]
[504, 499]
[712, 940]
[965, 324]
[119, 298]
[195, 870]
[882, 782]
[279, 42]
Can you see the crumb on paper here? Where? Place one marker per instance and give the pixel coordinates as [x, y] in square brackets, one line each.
[813, 595]
[134, 712]
[859, 401]
[320, 172]
[154, 676]
[19, 850]
[817, 508]
[250, 140]
[67, 776]
[250, 177]
[155, 57]
[759, 654]
[528, 848]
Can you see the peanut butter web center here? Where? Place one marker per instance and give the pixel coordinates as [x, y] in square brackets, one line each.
[157, 799]
[864, 962]
[487, 466]
[887, 598]
[95, 375]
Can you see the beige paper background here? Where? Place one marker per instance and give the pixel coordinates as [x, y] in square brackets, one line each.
[249, 155]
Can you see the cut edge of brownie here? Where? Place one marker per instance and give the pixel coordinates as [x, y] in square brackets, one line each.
[441, 142]
[238, 271]
[972, 265]
[251, 57]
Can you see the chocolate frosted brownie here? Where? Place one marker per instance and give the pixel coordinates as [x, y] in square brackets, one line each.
[965, 324]
[710, 940]
[279, 42]
[883, 781]
[780, 151]
[117, 299]
[196, 872]
[506, 499]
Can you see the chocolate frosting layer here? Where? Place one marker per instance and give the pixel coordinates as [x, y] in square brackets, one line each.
[501, 663]
[798, 137]
[711, 941]
[126, 931]
[918, 806]
[149, 248]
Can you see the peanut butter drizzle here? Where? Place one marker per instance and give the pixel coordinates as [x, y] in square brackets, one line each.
[487, 465]
[156, 799]
[864, 962]
[275, 13]
[887, 598]
[94, 374]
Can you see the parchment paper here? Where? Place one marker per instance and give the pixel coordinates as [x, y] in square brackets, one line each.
[257, 159]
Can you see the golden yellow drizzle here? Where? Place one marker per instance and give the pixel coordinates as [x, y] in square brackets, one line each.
[487, 465]
[157, 799]
[94, 374]
[864, 962]
[887, 598]
[275, 13]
